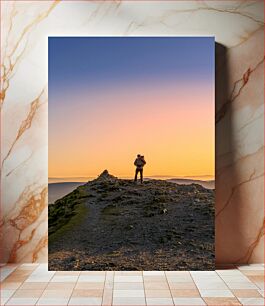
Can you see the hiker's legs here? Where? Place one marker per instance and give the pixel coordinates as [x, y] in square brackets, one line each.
[141, 175]
[136, 173]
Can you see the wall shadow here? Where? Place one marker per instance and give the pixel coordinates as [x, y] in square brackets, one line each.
[226, 227]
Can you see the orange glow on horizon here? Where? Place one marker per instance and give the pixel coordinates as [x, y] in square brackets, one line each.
[173, 127]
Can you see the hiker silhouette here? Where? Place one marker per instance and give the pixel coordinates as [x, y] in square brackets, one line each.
[139, 163]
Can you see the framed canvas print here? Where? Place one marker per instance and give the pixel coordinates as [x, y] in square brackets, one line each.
[131, 153]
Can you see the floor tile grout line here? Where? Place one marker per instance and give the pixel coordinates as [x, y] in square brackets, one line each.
[233, 292]
[102, 295]
[209, 289]
[235, 276]
[76, 281]
[195, 284]
[169, 289]
[145, 298]
[235, 289]
[38, 297]
[70, 297]
[43, 289]
[114, 274]
[74, 288]
[228, 289]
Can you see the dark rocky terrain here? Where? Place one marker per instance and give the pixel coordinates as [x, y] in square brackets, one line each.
[115, 224]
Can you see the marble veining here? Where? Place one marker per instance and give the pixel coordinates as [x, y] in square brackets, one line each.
[238, 86]
[238, 27]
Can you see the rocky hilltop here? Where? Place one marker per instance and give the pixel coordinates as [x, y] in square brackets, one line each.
[115, 224]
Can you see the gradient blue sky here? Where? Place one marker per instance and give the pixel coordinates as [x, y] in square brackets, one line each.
[101, 61]
[113, 97]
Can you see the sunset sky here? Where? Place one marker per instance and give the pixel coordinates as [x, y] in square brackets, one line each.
[112, 98]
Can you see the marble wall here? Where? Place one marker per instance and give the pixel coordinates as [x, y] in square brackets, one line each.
[238, 28]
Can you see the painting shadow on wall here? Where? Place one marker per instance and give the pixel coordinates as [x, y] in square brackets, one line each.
[225, 148]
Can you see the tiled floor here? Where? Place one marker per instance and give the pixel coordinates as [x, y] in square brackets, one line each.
[33, 284]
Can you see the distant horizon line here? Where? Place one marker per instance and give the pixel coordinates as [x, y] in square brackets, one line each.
[209, 177]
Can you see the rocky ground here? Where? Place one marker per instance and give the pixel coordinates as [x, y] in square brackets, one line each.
[115, 224]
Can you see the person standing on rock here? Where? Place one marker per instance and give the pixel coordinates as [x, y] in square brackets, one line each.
[139, 163]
